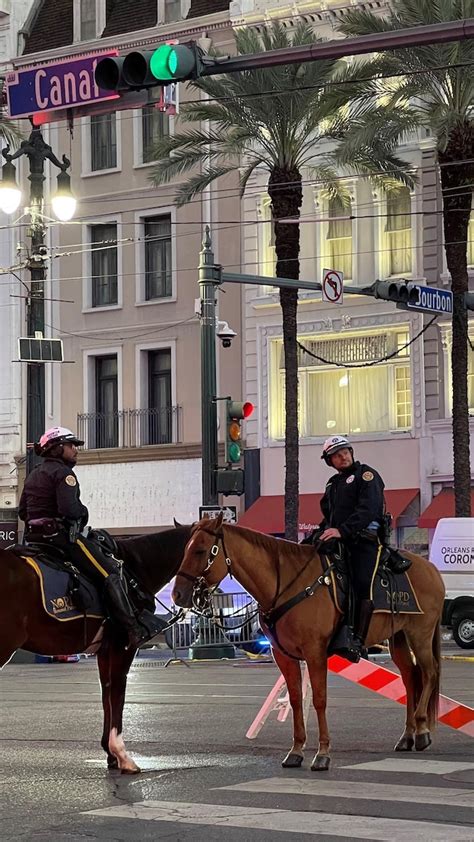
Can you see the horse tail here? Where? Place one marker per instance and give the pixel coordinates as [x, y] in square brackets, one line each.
[434, 698]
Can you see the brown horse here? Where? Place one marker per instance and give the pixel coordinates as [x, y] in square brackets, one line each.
[273, 571]
[152, 559]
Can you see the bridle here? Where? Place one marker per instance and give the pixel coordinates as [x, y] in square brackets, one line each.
[202, 593]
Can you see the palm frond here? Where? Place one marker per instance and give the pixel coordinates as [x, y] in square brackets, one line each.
[197, 183]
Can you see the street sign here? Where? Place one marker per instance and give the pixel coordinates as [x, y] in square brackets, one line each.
[229, 512]
[432, 300]
[332, 286]
[55, 86]
[38, 349]
[8, 533]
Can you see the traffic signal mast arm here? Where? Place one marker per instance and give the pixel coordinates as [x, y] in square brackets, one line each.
[170, 63]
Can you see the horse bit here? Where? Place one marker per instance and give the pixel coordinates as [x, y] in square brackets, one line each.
[202, 593]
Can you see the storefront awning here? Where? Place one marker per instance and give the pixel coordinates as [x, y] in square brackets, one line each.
[441, 506]
[267, 514]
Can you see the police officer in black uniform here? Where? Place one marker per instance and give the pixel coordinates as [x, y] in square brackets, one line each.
[353, 510]
[51, 507]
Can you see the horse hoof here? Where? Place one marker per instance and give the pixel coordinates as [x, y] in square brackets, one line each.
[133, 771]
[292, 760]
[321, 763]
[422, 741]
[405, 743]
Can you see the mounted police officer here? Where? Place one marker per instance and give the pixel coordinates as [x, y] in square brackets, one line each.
[353, 510]
[51, 507]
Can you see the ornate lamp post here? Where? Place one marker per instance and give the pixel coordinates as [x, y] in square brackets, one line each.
[37, 151]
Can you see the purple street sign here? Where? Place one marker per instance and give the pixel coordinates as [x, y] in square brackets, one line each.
[57, 86]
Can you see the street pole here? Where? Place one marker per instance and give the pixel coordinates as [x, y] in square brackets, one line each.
[209, 281]
[37, 151]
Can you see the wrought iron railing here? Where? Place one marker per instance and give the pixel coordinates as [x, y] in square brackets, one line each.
[130, 427]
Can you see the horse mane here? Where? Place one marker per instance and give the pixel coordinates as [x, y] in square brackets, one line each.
[155, 557]
[287, 550]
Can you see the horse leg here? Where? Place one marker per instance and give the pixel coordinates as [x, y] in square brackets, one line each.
[318, 674]
[426, 644]
[114, 664]
[291, 671]
[402, 657]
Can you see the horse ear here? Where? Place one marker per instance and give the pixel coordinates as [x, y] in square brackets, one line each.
[177, 523]
[218, 520]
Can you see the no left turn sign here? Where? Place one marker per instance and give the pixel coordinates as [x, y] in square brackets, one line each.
[332, 286]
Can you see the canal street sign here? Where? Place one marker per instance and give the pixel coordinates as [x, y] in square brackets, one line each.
[229, 512]
[432, 300]
[55, 86]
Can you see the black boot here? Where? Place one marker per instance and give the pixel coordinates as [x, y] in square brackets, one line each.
[365, 609]
[122, 612]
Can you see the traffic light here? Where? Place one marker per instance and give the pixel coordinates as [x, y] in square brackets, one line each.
[167, 64]
[236, 412]
[401, 293]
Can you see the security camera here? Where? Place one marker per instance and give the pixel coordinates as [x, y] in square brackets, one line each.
[225, 334]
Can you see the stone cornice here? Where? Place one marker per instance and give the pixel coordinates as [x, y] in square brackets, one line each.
[150, 453]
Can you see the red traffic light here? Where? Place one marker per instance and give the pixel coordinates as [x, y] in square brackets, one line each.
[247, 409]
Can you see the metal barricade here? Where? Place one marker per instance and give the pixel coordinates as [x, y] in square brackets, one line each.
[234, 624]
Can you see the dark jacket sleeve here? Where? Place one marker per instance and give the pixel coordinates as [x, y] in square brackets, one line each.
[369, 505]
[22, 506]
[67, 496]
[324, 506]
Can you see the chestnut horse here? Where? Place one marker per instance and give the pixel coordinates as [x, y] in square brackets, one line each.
[273, 571]
[152, 560]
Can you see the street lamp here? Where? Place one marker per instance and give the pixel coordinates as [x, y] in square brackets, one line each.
[37, 151]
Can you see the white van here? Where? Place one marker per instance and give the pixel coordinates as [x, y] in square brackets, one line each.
[452, 552]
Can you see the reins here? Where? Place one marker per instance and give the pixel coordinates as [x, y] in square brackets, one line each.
[202, 594]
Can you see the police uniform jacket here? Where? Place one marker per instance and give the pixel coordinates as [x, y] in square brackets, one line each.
[353, 499]
[52, 490]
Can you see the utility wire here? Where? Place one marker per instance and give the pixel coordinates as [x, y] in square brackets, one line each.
[372, 362]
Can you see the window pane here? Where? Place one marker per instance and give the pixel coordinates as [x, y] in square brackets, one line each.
[159, 397]
[398, 228]
[368, 399]
[267, 251]
[155, 126]
[88, 20]
[403, 397]
[106, 422]
[172, 10]
[470, 240]
[339, 238]
[328, 409]
[157, 257]
[103, 142]
[104, 265]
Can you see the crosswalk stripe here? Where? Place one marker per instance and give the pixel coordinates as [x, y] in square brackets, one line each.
[361, 790]
[418, 765]
[289, 821]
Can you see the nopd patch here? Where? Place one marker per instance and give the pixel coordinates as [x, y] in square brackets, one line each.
[367, 475]
[70, 480]
[350, 479]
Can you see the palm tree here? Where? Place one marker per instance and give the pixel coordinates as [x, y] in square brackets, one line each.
[282, 120]
[439, 86]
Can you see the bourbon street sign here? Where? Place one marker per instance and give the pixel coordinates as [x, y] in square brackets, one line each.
[55, 86]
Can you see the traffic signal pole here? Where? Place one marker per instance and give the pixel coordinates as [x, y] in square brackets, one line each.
[209, 280]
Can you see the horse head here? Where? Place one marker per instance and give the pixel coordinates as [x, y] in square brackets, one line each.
[204, 564]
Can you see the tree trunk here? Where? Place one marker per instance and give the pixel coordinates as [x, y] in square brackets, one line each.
[456, 182]
[286, 192]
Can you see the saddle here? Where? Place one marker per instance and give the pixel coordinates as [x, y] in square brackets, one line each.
[392, 592]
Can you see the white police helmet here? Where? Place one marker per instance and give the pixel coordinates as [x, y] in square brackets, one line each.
[53, 436]
[332, 445]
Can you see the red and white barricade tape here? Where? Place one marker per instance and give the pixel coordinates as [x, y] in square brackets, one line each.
[376, 678]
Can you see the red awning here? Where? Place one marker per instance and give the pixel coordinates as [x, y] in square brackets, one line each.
[441, 506]
[267, 514]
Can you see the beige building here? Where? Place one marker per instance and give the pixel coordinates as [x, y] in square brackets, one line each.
[123, 277]
[123, 285]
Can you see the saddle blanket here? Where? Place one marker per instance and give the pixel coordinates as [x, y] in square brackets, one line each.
[390, 592]
[56, 595]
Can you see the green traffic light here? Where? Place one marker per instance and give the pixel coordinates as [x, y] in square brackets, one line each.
[171, 63]
[234, 452]
[160, 63]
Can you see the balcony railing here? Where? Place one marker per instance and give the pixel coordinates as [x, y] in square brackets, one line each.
[130, 427]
